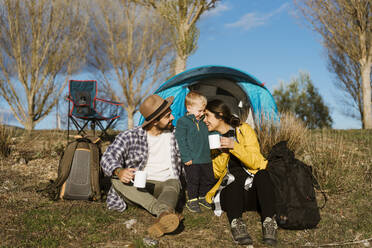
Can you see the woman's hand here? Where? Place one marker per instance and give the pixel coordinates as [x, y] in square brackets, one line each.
[227, 142]
[126, 174]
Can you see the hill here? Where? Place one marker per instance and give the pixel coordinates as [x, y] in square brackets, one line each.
[341, 160]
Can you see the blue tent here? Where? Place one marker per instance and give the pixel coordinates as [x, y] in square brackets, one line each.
[247, 97]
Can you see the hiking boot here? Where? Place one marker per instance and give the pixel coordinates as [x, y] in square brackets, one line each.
[204, 203]
[193, 205]
[269, 227]
[239, 232]
[167, 222]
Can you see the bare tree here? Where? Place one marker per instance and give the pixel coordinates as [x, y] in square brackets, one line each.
[40, 42]
[182, 16]
[348, 80]
[130, 46]
[346, 27]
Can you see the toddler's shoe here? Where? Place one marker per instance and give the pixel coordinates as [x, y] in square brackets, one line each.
[193, 205]
[204, 203]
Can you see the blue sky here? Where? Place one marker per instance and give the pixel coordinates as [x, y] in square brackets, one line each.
[266, 40]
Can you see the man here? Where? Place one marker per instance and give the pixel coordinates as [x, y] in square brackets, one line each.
[151, 147]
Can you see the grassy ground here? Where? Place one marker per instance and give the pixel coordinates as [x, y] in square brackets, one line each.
[342, 161]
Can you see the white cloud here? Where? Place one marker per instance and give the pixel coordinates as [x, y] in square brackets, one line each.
[252, 20]
[248, 21]
[217, 10]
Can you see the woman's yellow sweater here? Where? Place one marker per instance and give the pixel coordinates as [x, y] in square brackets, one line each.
[247, 150]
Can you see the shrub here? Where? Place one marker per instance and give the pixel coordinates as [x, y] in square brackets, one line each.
[6, 134]
[291, 129]
[52, 144]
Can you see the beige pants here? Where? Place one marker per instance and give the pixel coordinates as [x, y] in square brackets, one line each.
[165, 195]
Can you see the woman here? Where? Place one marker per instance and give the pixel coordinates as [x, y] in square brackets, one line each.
[243, 182]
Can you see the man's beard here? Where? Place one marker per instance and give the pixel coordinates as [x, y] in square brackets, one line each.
[168, 127]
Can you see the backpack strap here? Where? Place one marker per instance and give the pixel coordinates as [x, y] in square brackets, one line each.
[317, 186]
[314, 182]
[95, 171]
[65, 164]
[53, 188]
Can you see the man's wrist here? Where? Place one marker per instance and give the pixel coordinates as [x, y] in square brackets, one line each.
[116, 172]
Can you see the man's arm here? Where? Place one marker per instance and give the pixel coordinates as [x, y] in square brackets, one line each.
[113, 156]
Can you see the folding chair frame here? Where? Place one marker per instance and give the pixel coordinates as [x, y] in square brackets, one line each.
[92, 119]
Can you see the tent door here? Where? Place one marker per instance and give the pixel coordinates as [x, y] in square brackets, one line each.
[229, 92]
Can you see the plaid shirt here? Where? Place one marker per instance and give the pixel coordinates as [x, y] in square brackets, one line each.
[130, 150]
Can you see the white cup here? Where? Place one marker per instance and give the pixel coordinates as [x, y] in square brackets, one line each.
[139, 179]
[214, 141]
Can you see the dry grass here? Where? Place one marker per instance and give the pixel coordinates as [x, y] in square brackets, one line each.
[6, 135]
[341, 159]
[289, 128]
[339, 164]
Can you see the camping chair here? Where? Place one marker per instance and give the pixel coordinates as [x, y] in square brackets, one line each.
[83, 96]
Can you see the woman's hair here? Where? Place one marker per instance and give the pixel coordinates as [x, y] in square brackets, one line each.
[223, 112]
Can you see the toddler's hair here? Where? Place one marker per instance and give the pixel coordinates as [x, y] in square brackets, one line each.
[194, 97]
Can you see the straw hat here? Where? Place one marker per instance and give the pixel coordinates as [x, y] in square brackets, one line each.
[153, 106]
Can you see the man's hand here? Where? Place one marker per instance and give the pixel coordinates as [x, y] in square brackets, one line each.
[188, 163]
[126, 174]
